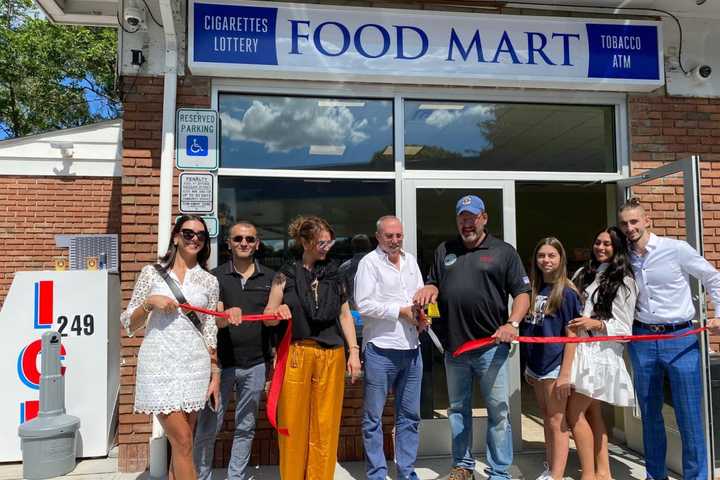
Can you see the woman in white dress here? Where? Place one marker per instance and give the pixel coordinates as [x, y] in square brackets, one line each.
[599, 373]
[177, 369]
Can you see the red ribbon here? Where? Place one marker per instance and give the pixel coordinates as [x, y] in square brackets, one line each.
[483, 342]
[280, 362]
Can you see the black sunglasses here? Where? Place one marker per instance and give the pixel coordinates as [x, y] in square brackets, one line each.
[248, 238]
[189, 234]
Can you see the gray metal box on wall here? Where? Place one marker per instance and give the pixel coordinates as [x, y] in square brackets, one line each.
[101, 246]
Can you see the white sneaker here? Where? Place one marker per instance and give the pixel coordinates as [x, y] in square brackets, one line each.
[546, 474]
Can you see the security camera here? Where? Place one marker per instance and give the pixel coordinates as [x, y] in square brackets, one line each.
[701, 73]
[133, 14]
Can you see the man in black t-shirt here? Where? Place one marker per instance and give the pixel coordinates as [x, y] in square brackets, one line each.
[243, 349]
[471, 279]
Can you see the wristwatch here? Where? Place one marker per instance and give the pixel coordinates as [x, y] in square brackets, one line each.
[515, 324]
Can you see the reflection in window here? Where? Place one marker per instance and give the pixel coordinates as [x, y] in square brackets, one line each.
[509, 136]
[305, 133]
[351, 206]
[587, 205]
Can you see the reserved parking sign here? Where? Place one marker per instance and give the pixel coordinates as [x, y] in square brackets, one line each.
[196, 137]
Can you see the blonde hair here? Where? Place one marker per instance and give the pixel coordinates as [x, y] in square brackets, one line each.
[561, 281]
[308, 228]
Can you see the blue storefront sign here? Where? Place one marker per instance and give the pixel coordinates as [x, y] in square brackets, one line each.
[623, 51]
[235, 34]
[313, 42]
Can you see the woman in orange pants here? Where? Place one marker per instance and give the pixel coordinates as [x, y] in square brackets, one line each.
[311, 290]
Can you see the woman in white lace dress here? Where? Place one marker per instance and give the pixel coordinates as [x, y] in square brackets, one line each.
[177, 368]
[599, 373]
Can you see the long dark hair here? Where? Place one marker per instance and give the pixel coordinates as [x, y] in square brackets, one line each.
[613, 277]
[168, 260]
[560, 281]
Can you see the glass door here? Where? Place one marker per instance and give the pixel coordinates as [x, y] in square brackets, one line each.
[671, 195]
[428, 211]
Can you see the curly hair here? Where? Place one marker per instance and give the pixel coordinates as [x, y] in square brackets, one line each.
[308, 228]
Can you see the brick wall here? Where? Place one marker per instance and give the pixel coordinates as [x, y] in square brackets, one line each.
[142, 122]
[664, 129]
[35, 209]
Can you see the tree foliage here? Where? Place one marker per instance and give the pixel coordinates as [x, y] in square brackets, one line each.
[53, 76]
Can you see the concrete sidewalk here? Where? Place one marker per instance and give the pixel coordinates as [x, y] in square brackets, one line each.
[625, 465]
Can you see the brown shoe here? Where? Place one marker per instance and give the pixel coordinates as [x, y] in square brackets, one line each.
[459, 473]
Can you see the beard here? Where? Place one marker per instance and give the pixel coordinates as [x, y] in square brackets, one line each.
[470, 236]
[394, 248]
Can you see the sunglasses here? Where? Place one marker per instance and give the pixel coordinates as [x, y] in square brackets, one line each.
[188, 235]
[325, 244]
[248, 238]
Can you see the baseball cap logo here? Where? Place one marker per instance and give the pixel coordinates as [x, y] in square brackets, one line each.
[469, 203]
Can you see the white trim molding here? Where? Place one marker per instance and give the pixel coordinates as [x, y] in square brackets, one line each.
[89, 151]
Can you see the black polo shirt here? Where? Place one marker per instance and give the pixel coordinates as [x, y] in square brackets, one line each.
[474, 286]
[249, 343]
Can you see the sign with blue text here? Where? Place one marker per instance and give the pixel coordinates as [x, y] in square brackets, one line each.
[196, 134]
[311, 42]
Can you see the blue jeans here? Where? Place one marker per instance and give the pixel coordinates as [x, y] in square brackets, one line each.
[249, 384]
[489, 367]
[680, 360]
[401, 371]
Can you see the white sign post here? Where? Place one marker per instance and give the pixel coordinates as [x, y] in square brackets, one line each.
[196, 192]
[196, 139]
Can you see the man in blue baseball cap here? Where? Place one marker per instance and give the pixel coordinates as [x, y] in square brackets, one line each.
[470, 203]
[471, 279]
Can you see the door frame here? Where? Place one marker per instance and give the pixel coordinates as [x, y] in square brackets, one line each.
[432, 432]
[690, 168]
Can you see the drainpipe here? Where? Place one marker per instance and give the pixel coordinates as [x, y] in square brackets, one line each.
[158, 442]
[168, 127]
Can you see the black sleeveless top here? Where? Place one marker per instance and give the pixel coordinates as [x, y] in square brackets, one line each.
[315, 299]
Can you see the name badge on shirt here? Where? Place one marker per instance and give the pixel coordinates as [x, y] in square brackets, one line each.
[450, 259]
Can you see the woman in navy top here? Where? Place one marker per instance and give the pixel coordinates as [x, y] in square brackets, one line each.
[555, 303]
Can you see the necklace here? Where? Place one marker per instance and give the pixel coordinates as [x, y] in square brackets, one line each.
[314, 287]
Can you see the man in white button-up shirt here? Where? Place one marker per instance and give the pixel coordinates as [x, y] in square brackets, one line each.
[385, 282]
[662, 268]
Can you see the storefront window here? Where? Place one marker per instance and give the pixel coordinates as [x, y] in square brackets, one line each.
[351, 206]
[509, 136]
[305, 133]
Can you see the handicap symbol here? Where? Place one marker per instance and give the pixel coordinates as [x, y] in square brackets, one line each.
[195, 148]
[197, 145]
